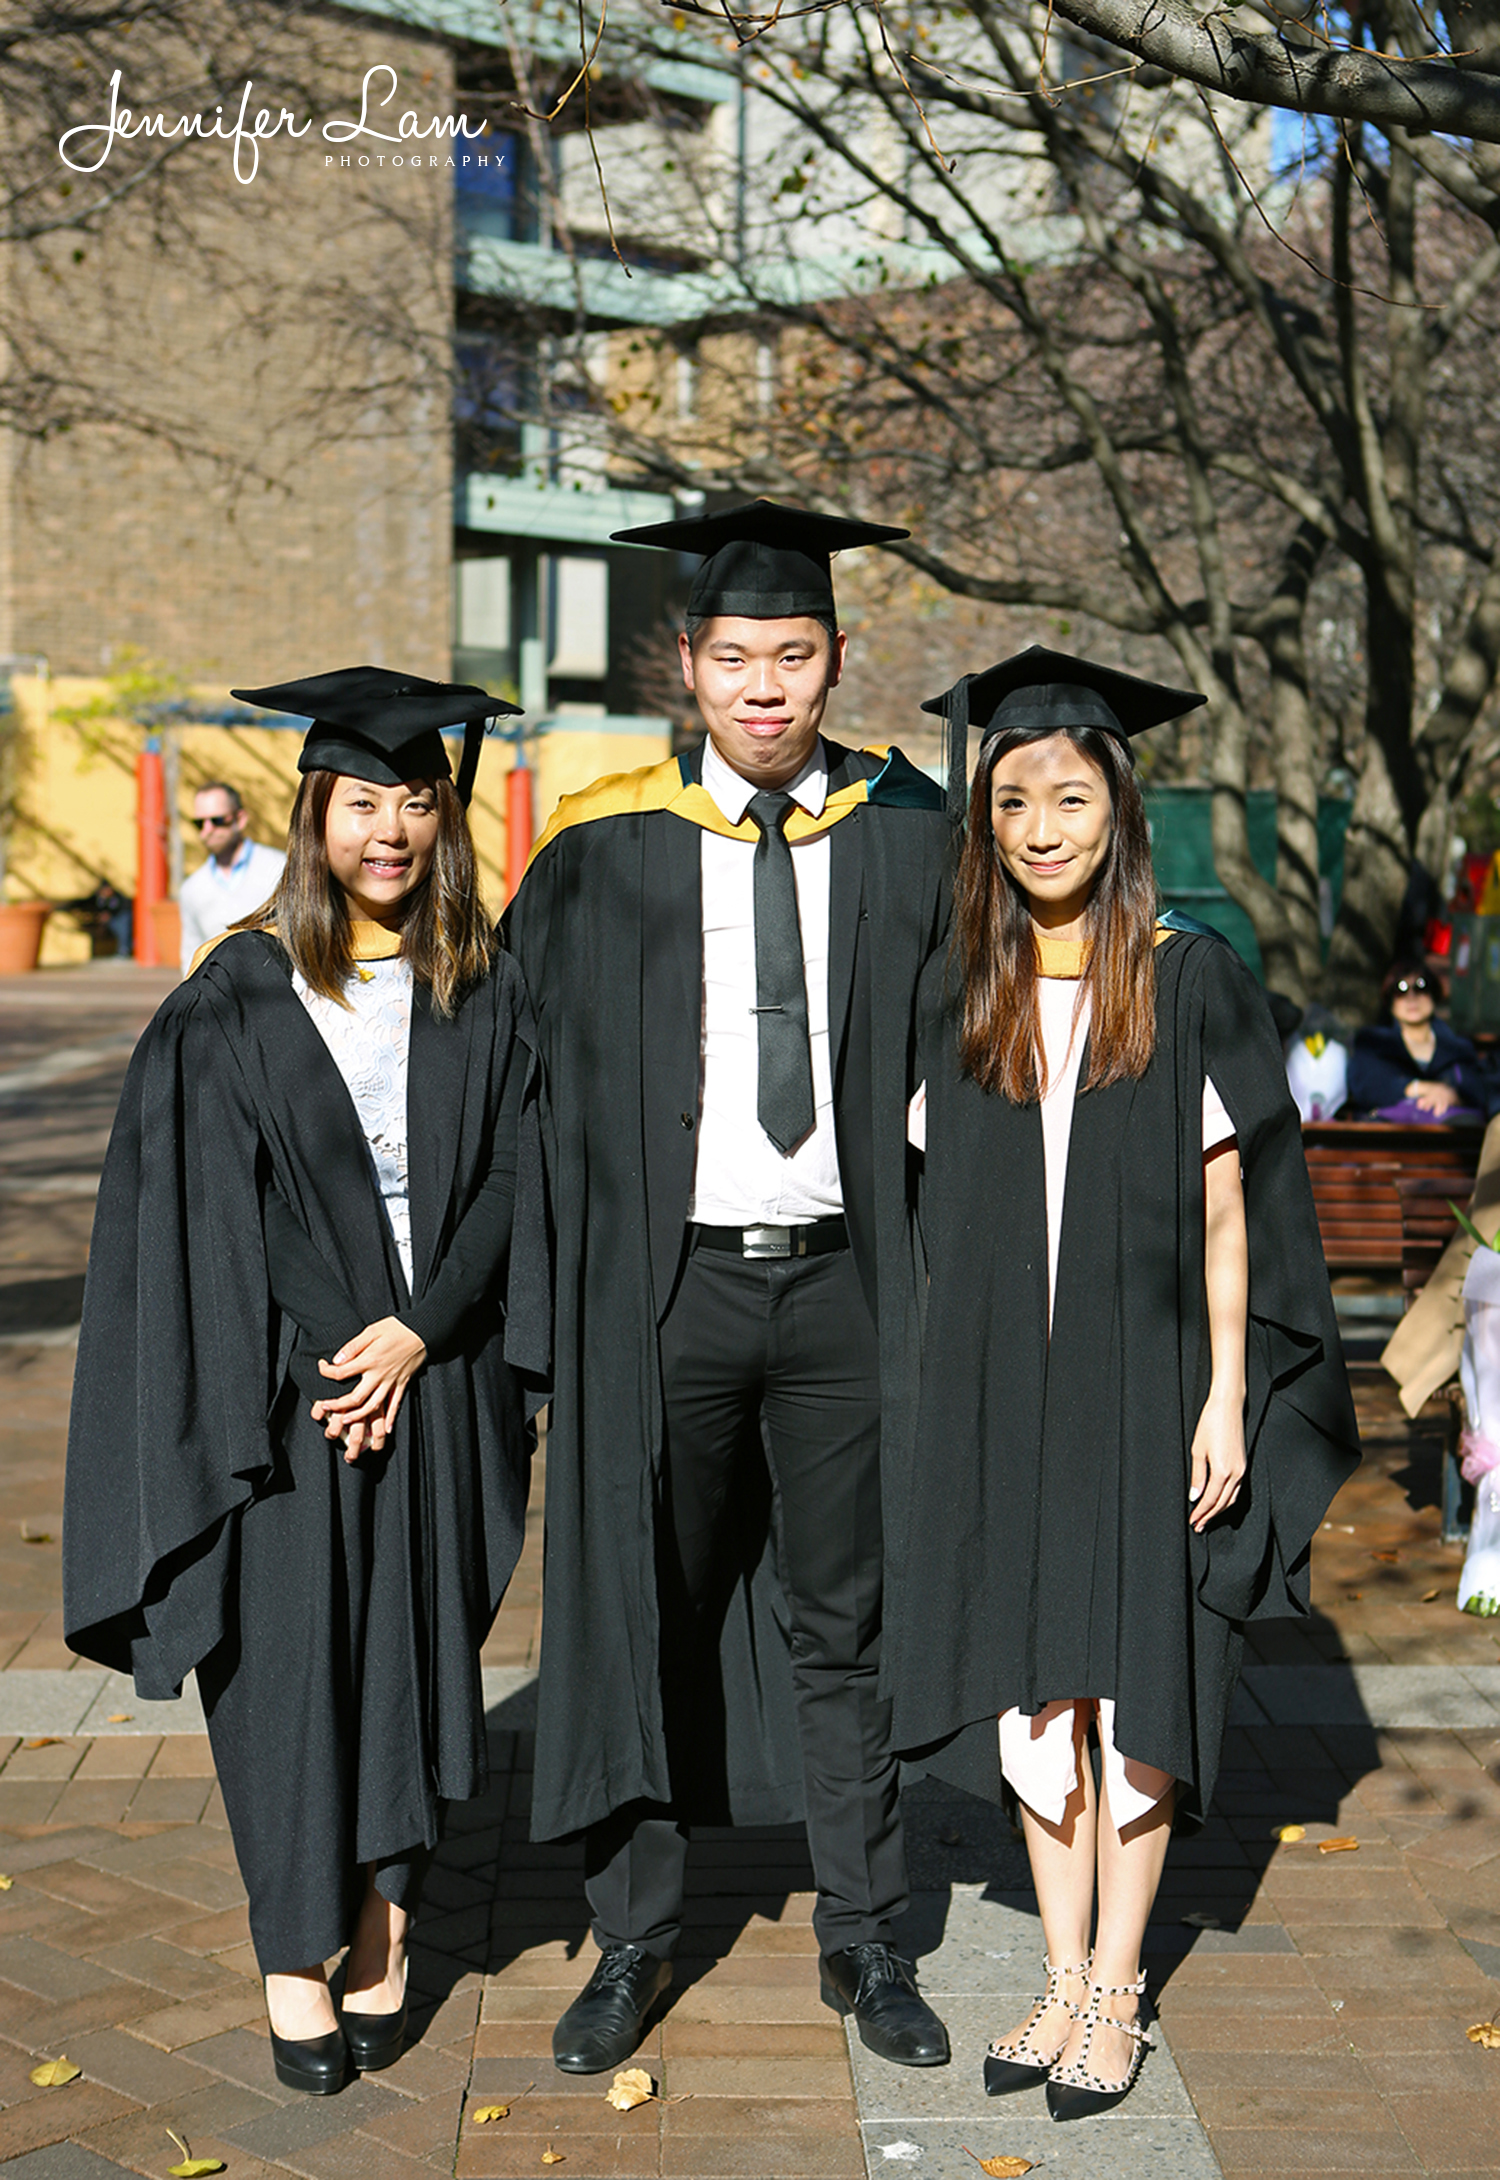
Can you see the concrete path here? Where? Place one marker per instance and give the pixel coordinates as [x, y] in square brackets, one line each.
[1312, 2007]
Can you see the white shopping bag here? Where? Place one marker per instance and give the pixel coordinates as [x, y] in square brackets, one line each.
[1479, 1371]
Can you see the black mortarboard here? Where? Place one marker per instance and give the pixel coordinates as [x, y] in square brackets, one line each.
[378, 725]
[1050, 689]
[765, 561]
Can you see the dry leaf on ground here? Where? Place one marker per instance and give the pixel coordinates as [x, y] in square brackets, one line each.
[1430, 1597]
[42, 1741]
[54, 2073]
[5, 1882]
[630, 2087]
[120, 1718]
[553, 2157]
[484, 2113]
[1387, 1559]
[1001, 2168]
[41, 1536]
[192, 2168]
[1354, 1597]
[1486, 2034]
[1337, 1846]
[1288, 1833]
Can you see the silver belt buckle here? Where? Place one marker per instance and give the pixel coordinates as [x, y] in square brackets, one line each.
[766, 1241]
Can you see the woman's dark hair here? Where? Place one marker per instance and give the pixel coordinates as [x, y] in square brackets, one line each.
[999, 1040]
[445, 933]
[1401, 972]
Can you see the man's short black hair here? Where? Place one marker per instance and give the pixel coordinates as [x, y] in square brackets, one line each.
[698, 621]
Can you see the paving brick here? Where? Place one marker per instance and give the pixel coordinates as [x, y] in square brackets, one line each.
[183, 1756]
[493, 2153]
[357, 2156]
[61, 2112]
[417, 2128]
[27, 1801]
[304, 2121]
[1305, 2150]
[134, 2068]
[57, 1757]
[213, 1933]
[118, 1756]
[63, 1845]
[196, 1881]
[65, 2161]
[171, 1801]
[91, 1801]
[165, 1966]
[176, 2027]
[48, 1973]
[139, 2138]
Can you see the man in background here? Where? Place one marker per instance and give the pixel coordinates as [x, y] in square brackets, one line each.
[237, 873]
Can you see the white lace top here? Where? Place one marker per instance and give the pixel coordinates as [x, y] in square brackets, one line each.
[369, 1040]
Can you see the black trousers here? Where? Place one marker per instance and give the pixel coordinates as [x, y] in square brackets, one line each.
[772, 1359]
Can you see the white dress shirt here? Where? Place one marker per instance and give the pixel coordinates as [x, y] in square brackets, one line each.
[740, 1177]
[214, 898]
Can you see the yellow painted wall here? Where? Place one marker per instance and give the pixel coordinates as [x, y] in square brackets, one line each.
[75, 817]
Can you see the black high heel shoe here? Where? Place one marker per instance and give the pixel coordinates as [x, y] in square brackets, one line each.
[318, 2065]
[1014, 2062]
[375, 2040]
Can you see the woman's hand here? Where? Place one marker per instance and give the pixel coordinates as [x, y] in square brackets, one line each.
[1218, 1459]
[385, 1357]
[1433, 1097]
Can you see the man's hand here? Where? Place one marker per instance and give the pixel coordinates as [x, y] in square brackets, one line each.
[384, 1358]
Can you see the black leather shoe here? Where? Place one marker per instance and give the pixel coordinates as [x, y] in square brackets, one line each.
[318, 2064]
[375, 2039]
[608, 2017]
[876, 1985]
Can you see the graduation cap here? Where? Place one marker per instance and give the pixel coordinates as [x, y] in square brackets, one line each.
[764, 561]
[378, 725]
[1045, 690]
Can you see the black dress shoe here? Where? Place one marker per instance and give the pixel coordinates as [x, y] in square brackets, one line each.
[375, 2039]
[608, 2017]
[318, 2064]
[874, 1984]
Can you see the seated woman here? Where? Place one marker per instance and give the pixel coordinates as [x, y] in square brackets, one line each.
[298, 1457]
[1132, 1409]
[1411, 1066]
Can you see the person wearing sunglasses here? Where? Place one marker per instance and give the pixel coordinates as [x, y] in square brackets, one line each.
[237, 873]
[1410, 1066]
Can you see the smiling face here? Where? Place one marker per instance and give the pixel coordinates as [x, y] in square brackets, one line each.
[381, 842]
[1052, 819]
[762, 687]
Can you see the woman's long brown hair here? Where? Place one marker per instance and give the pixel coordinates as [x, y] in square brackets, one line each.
[994, 949]
[445, 933]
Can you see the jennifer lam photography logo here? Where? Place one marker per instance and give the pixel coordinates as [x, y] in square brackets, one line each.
[86, 148]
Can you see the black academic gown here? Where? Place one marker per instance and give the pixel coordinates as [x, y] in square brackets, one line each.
[334, 1611]
[1046, 1552]
[608, 928]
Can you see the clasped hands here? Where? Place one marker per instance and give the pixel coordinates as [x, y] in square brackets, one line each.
[1433, 1097]
[384, 1358]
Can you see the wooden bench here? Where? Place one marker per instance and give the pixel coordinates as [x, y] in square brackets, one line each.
[1382, 1193]
[1358, 1169]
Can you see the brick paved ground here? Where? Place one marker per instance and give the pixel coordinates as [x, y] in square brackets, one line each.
[1317, 2029]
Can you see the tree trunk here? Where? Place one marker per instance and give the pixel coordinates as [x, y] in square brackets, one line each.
[1375, 869]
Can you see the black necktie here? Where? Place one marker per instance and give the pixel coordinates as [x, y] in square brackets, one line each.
[785, 1102]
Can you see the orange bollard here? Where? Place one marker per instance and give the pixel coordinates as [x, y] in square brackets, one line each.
[151, 852]
[518, 822]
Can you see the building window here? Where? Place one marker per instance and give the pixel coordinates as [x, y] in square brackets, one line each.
[482, 604]
[580, 619]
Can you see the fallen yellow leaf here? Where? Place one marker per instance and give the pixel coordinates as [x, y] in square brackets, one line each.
[42, 1741]
[1289, 1832]
[6, 1883]
[1001, 2168]
[39, 1536]
[1337, 1846]
[55, 2073]
[192, 2168]
[1388, 1559]
[1486, 2034]
[487, 2112]
[553, 2157]
[630, 2087]
[1430, 1597]
[119, 1718]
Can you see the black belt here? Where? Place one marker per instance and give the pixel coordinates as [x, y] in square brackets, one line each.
[817, 1238]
